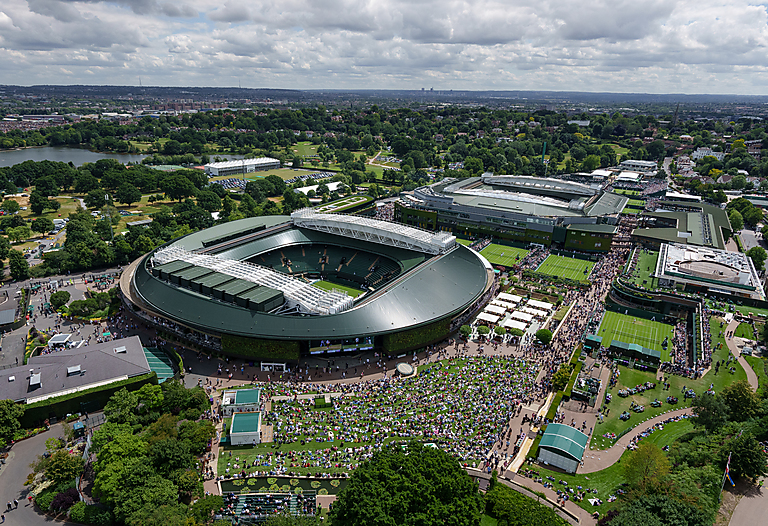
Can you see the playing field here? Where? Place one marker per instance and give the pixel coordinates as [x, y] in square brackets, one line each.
[343, 204]
[568, 268]
[503, 255]
[629, 329]
[465, 242]
[327, 285]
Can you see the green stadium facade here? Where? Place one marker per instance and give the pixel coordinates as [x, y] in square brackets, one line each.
[244, 288]
[550, 212]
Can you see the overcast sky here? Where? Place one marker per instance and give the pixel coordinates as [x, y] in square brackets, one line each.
[655, 46]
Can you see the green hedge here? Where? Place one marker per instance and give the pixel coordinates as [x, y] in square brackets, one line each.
[260, 349]
[416, 338]
[574, 375]
[555, 404]
[97, 397]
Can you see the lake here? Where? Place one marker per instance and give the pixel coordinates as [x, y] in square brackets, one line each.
[76, 155]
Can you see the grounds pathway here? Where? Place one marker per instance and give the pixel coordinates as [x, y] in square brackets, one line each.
[751, 508]
[595, 460]
[14, 473]
[731, 342]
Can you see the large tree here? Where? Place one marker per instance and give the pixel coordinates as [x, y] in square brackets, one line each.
[127, 194]
[711, 412]
[416, 485]
[177, 187]
[646, 465]
[10, 413]
[19, 267]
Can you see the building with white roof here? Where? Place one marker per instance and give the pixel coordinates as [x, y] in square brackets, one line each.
[241, 166]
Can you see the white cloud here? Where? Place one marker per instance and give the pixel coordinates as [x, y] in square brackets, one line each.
[651, 46]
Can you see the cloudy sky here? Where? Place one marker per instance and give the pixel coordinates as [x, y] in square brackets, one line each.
[655, 46]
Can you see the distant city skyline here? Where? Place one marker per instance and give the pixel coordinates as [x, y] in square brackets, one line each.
[653, 46]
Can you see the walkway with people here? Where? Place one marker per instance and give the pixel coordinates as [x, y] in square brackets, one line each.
[730, 340]
[597, 460]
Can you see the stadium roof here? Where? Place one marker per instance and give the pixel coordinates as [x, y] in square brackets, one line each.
[565, 440]
[696, 224]
[375, 231]
[440, 287]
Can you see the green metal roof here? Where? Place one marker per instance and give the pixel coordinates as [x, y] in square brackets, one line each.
[566, 440]
[245, 422]
[441, 287]
[247, 396]
[608, 203]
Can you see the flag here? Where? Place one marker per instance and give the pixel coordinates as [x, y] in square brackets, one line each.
[728, 470]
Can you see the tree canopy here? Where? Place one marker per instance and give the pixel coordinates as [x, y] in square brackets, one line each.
[415, 485]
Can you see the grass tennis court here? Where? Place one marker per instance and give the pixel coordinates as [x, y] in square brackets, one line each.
[503, 255]
[327, 285]
[465, 242]
[629, 329]
[568, 268]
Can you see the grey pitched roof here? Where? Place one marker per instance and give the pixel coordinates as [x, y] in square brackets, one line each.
[99, 364]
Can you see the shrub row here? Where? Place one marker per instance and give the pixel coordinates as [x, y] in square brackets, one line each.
[260, 349]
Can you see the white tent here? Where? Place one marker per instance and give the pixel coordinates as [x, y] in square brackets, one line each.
[522, 316]
[506, 305]
[535, 312]
[490, 318]
[543, 305]
[495, 309]
[509, 297]
[514, 324]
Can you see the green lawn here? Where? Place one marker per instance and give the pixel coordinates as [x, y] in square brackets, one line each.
[487, 520]
[626, 192]
[606, 482]
[636, 203]
[304, 149]
[646, 265]
[629, 329]
[503, 255]
[564, 267]
[342, 204]
[744, 330]
[671, 433]
[328, 285]
[465, 242]
[730, 307]
[760, 366]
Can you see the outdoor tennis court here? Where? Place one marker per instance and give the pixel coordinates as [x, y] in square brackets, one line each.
[328, 285]
[630, 329]
[503, 255]
[568, 268]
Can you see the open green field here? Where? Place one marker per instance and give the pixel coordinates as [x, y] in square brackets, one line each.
[760, 366]
[646, 265]
[503, 255]
[465, 242]
[328, 285]
[342, 204]
[629, 329]
[304, 149]
[564, 267]
[744, 330]
[283, 173]
[636, 203]
[730, 307]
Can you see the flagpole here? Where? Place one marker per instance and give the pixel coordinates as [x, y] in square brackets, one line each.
[725, 474]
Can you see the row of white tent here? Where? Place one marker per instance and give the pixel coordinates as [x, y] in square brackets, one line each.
[519, 319]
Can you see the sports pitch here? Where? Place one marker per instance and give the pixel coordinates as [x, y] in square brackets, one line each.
[342, 204]
[629, 329]
[503, 255]
[568, 268]
[327, 285]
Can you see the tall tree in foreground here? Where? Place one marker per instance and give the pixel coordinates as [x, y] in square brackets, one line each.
[406, 487]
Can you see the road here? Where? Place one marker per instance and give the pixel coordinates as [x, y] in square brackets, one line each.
[14, 473]
[750, 239]
[751, 509]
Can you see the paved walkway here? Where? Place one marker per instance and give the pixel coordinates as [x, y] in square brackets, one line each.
[751, 509]
[731, 342]
[595, 460]
[14, 473]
